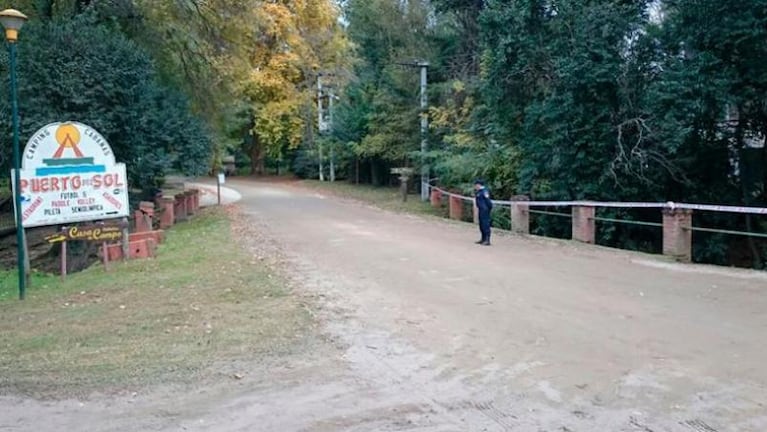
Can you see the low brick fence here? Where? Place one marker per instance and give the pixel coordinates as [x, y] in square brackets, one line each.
[677, 218]
[150, 221]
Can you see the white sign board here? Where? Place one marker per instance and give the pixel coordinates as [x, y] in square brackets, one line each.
[221, 178]
[69, 174]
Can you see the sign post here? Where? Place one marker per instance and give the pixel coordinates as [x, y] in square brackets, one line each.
[220, 179]
[63, 259]
[68, 175]
[99, 233]
[404, 175]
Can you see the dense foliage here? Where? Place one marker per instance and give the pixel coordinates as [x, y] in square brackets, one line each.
[175, 86]
[646, 100]
[572, 99]
[79, 68]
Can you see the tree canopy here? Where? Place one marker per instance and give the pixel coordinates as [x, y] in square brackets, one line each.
[111, 85]
[649, 100]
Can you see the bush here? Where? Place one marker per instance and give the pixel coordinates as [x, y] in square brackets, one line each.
[79, 70]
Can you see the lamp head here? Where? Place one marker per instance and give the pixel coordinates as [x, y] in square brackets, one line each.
[12, 20]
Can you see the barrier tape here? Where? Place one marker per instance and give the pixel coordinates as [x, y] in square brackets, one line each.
[668, 205]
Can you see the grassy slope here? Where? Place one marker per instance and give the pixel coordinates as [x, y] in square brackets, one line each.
[201, 302]
[383, 197]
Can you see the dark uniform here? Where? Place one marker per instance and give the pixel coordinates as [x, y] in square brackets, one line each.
[484, 206]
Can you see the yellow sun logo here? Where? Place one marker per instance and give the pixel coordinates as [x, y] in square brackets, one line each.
[68, 137]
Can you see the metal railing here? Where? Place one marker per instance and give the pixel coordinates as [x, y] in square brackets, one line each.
[623, 205]
[543, 208]
[629, 222]
[551, 213]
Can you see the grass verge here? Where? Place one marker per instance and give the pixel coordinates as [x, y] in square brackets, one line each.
[201, 302]
[384, 197]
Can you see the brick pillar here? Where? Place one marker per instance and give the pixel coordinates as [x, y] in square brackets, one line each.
[144, 216]
[584, 226]
[677, 235]
[139, 225]
[167, 218]
[436, 198]
[456, 208]
[520, 214]
[189, 197]
[196, 199]
[180, 211]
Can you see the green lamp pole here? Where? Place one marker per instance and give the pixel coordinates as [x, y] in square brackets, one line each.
[12, 20]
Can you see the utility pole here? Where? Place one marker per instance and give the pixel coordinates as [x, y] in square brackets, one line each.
[424, 131]
[320, 125]
[331, 96]
[424, 114]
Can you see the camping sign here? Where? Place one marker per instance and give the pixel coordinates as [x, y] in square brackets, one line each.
[69, 174]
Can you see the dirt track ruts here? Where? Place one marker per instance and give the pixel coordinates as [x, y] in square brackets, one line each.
[429, 332]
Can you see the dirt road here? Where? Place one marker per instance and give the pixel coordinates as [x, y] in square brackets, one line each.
[428, 332]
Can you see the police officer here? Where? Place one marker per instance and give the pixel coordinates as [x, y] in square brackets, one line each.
[484, 206]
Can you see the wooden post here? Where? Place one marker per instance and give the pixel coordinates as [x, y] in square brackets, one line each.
[105, 256]
[126, 239]
[405, 174]
[63, 260]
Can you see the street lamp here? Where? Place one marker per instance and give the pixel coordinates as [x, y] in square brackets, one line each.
[12, 20]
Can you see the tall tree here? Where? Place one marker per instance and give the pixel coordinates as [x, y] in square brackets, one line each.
[381, 107]
[78, 69]
[707, 108]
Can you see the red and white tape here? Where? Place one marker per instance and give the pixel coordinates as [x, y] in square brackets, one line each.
[667, 205]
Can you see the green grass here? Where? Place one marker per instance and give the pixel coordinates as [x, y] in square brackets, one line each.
[384, 197]
[9, 283]
[202, 301]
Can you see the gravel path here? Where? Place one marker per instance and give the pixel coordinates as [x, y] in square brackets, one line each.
[426, 332]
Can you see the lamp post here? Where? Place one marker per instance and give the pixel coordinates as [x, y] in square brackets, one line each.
[424, 114]
[12, 20]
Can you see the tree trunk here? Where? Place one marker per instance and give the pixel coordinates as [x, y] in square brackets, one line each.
[357, 169]
[746, 187]
[332, 164]
[755, 254]
[257, 156]
[321, 164]
[375, 177]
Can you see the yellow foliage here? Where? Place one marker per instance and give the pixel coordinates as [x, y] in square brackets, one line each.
[453, 117]
[264, 53]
